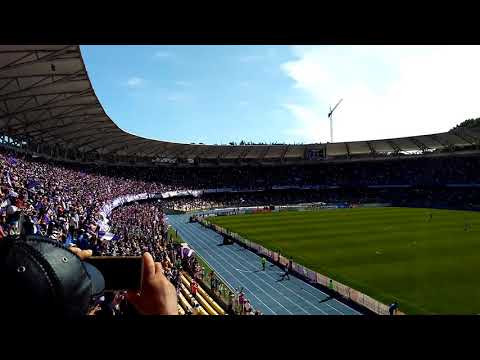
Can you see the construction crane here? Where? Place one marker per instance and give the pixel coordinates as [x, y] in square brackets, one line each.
[330, 116]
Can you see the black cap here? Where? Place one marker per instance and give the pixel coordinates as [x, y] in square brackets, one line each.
[41, 277]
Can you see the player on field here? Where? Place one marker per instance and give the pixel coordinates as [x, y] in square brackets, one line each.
[286, 273]
[263, 262]
[392, 309]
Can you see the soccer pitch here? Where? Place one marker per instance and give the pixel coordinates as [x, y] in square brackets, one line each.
[429, 266]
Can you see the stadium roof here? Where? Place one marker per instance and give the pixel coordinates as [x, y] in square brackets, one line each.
[46, 97]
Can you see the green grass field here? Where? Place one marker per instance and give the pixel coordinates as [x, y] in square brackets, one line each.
[430, 267]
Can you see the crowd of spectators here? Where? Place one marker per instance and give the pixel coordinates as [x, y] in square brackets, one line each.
[64, 201]
[190, 203]
[436, 197]
[139, 227]
[57, 201]
[432, 171]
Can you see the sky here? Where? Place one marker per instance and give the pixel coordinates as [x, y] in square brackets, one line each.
[218, 94]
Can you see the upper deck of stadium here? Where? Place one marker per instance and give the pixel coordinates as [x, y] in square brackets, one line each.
[48, 106]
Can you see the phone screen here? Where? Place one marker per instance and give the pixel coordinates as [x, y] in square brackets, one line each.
[119, 272]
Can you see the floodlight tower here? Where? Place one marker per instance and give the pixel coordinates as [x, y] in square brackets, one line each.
[330, 115]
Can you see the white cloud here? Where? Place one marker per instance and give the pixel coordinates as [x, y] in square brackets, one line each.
[162, 55]
[135, 82]
[388, 91]
[308, 127]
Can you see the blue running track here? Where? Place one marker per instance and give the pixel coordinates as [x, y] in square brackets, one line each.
[242, 268]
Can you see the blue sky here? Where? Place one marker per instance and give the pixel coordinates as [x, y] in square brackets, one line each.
[210, 94]
[218, 94]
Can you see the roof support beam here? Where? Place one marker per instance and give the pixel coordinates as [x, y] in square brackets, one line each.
[6, 125]
[262, 155]
[284, 152]
[41, 84]
[93, 134]
[14, 77]
[46, 58]
[63, 124]
[435, 138]
[462, 136]
[24, 103]
[120, 135]
[45, 106]
[471, 133]
[371, 147]
[419, 144]
[89, 90]
[59, 129]
[225, 152]
[69, 110]
[347, 147]
[394, 146]
[170, 149]
[6, 84]
[60, 122]
[30, 87]
[122, 146]
[155, 150]
[142, 144]
[56, 139]
[185, 152]
[244, 153]
[202, 151]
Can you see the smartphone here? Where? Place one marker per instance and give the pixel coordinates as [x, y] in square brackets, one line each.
[119, 272]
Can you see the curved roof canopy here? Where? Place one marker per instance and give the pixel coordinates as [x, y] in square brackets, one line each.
[46, 97]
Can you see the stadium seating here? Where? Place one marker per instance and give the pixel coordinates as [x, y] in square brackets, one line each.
[205, 301]
[188, 297]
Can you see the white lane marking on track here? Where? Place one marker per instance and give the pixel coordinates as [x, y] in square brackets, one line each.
[196, 235]
[245, 287]
[336, 302]
[244, 270]
[201, 237]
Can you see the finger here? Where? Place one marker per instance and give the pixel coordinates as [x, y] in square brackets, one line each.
[158, 268]
[75, 250]
[86, 254]
[148, 266]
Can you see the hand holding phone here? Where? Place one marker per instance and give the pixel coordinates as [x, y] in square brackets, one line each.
[158, 295]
